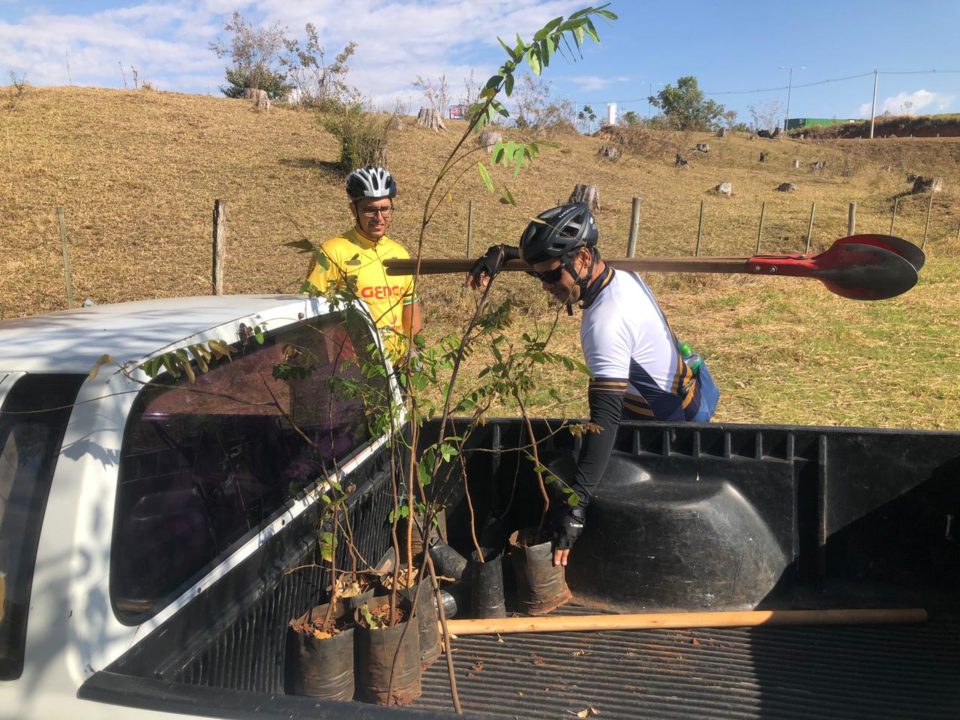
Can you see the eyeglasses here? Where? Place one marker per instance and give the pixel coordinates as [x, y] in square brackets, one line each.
[551, 277]
[373, 212]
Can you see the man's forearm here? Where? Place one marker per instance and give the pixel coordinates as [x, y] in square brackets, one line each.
[412, 318]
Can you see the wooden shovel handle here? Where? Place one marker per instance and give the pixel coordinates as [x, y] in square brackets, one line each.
[643, 621]
[435, 266]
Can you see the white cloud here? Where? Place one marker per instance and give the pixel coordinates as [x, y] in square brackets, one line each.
[596, 82]
[914, 103]
[168, 41]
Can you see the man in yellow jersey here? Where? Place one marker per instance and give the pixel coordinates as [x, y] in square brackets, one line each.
[357, 255]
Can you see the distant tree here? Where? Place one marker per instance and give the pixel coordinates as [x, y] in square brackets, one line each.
[586, 118]
[255, 54]
[766, 116]
[536, 110]
[313, 80]
[473, 88]
[436, 92]
[630, 118]
[685, 106]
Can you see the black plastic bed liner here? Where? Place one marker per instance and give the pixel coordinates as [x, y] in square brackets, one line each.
[881, 671]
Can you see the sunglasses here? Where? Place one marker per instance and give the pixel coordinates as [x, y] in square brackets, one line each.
[373, 212]
[551, 277]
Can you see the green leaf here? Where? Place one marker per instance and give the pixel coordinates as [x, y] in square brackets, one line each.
[591, 30]
[533, 59]
[508, 84]
[578, 35]
[493, 83]
[258, 334]
[552, 25]
[448, 451]
[424, 475]
[169, 361]
[507, 195]
[184, 360]
[497, 155]
[220, 348]
[510, 52]
[573, 500]
[485, 176]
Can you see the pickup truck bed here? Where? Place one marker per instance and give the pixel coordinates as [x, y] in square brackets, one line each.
[865, 672]
[860, 518]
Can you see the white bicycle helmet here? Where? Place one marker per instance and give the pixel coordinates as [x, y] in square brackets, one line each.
[371, 182]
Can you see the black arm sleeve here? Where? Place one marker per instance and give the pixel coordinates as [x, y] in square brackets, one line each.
[606, 410]
[510, 252]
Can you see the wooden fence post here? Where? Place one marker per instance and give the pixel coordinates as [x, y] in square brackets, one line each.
[852, 219]
[926, 225]
[66, 255]
[813, 210]
[763, 210]
[893, 218]
[696, 251]
[469, 229]
[219, 243]
[634, 227]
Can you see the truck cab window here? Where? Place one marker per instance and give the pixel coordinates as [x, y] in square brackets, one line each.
[32, 422]
[205, 463]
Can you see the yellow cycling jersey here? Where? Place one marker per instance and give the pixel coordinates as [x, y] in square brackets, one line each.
[353, 255]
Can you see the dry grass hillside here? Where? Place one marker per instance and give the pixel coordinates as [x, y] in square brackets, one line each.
[137, 173]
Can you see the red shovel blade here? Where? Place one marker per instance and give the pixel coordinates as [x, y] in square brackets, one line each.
[859, 271]
[898, 246]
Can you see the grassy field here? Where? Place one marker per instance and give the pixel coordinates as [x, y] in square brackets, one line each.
[137, 173]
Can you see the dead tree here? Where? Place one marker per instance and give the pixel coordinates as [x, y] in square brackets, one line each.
[587, 194]
[261, 101]
[428, 117]
[609, 152]
[488, 138]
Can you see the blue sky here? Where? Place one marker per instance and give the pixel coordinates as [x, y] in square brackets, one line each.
[739, 52]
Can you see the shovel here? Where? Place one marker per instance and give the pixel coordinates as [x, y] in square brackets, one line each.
[859, 267]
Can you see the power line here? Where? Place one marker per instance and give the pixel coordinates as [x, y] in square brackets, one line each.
[785, 87]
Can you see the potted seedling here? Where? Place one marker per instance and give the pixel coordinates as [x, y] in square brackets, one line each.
[320, 643]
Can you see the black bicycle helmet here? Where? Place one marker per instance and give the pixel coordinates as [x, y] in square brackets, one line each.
[371, 182]
[558, 232]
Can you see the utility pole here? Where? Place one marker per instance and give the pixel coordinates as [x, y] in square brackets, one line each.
[789, 88]
[873, 107]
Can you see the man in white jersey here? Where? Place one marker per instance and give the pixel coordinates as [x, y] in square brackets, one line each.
[638, 371]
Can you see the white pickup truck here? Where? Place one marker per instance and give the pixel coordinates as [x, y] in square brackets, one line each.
[148, 528]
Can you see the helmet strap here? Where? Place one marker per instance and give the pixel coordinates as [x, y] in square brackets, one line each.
[582, 281]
